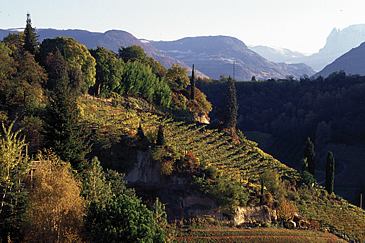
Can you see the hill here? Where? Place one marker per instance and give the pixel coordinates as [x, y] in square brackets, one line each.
[118, 136]
[281, 115]
[243, 162]
[215, 55]
[351, 62]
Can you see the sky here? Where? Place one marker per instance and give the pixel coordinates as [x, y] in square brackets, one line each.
[300, 25]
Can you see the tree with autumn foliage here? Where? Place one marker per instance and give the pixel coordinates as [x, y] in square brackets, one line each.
[55, 209]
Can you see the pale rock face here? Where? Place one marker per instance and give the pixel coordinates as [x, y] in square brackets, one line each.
[145, 170]
[260, 214]
[203, 118]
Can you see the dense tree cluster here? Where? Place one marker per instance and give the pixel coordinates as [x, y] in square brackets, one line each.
[58, 194]
[328, 110]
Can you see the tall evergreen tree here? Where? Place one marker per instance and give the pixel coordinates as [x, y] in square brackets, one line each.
[140, 132]
[232, 106]
[63, 131]
[330, 172]
[192, 84]
[160, 136]
[30, 37]
[309, 155]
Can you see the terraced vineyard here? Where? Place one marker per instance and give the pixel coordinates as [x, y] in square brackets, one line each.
[242, 162]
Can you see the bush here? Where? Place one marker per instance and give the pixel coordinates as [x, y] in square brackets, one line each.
[273, 184]
[123, 219]
[188, 164]
[227, 192]
[167, 167]
[211, 172]
[308, 179]
[286, 210]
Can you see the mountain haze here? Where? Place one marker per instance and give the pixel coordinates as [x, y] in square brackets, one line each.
[277, 54]
[338, 43]
[215, 56]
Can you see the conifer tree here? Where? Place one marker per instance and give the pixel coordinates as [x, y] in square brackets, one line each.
[330, 173]
[160, 136]
[30, 37]
[192, 84]
[309, 155]
[232, 107]
[140, 132]
[64, 133]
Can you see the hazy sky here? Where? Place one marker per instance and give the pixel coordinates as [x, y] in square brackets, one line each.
[301, 25]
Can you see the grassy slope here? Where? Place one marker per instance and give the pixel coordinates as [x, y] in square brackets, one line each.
[243, 162]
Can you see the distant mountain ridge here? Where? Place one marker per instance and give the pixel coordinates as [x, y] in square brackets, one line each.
[338, 42]
[111, 39]
[213, 56]
[216, 55]
[352, 62]
[277, 54]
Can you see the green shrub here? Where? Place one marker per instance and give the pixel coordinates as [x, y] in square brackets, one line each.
[273, 184]
[123, 219]
[308, 179]
[211, 172]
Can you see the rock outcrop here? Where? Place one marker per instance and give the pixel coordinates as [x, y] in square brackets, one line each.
[253, 215]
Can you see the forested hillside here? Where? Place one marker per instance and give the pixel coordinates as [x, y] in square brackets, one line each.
[280, 115]
[101, 146]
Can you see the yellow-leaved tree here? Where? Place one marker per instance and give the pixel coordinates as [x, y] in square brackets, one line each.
[55, 208]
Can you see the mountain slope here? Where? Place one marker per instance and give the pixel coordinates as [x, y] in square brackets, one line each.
[243, 162]
[352, 62]
[215, 55]
[277, 54]
[338, 43]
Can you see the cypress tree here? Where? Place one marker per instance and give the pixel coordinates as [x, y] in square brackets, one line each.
[192, 84]
[140, 132]
[65, 135]
[160, 136]
[30, 37]
[232, 107]
[330, 173]
[309, 155]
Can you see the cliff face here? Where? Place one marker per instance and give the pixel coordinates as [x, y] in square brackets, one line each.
[181, 199]
[145, 171]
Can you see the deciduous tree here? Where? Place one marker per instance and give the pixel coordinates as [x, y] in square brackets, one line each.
[56, 209]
